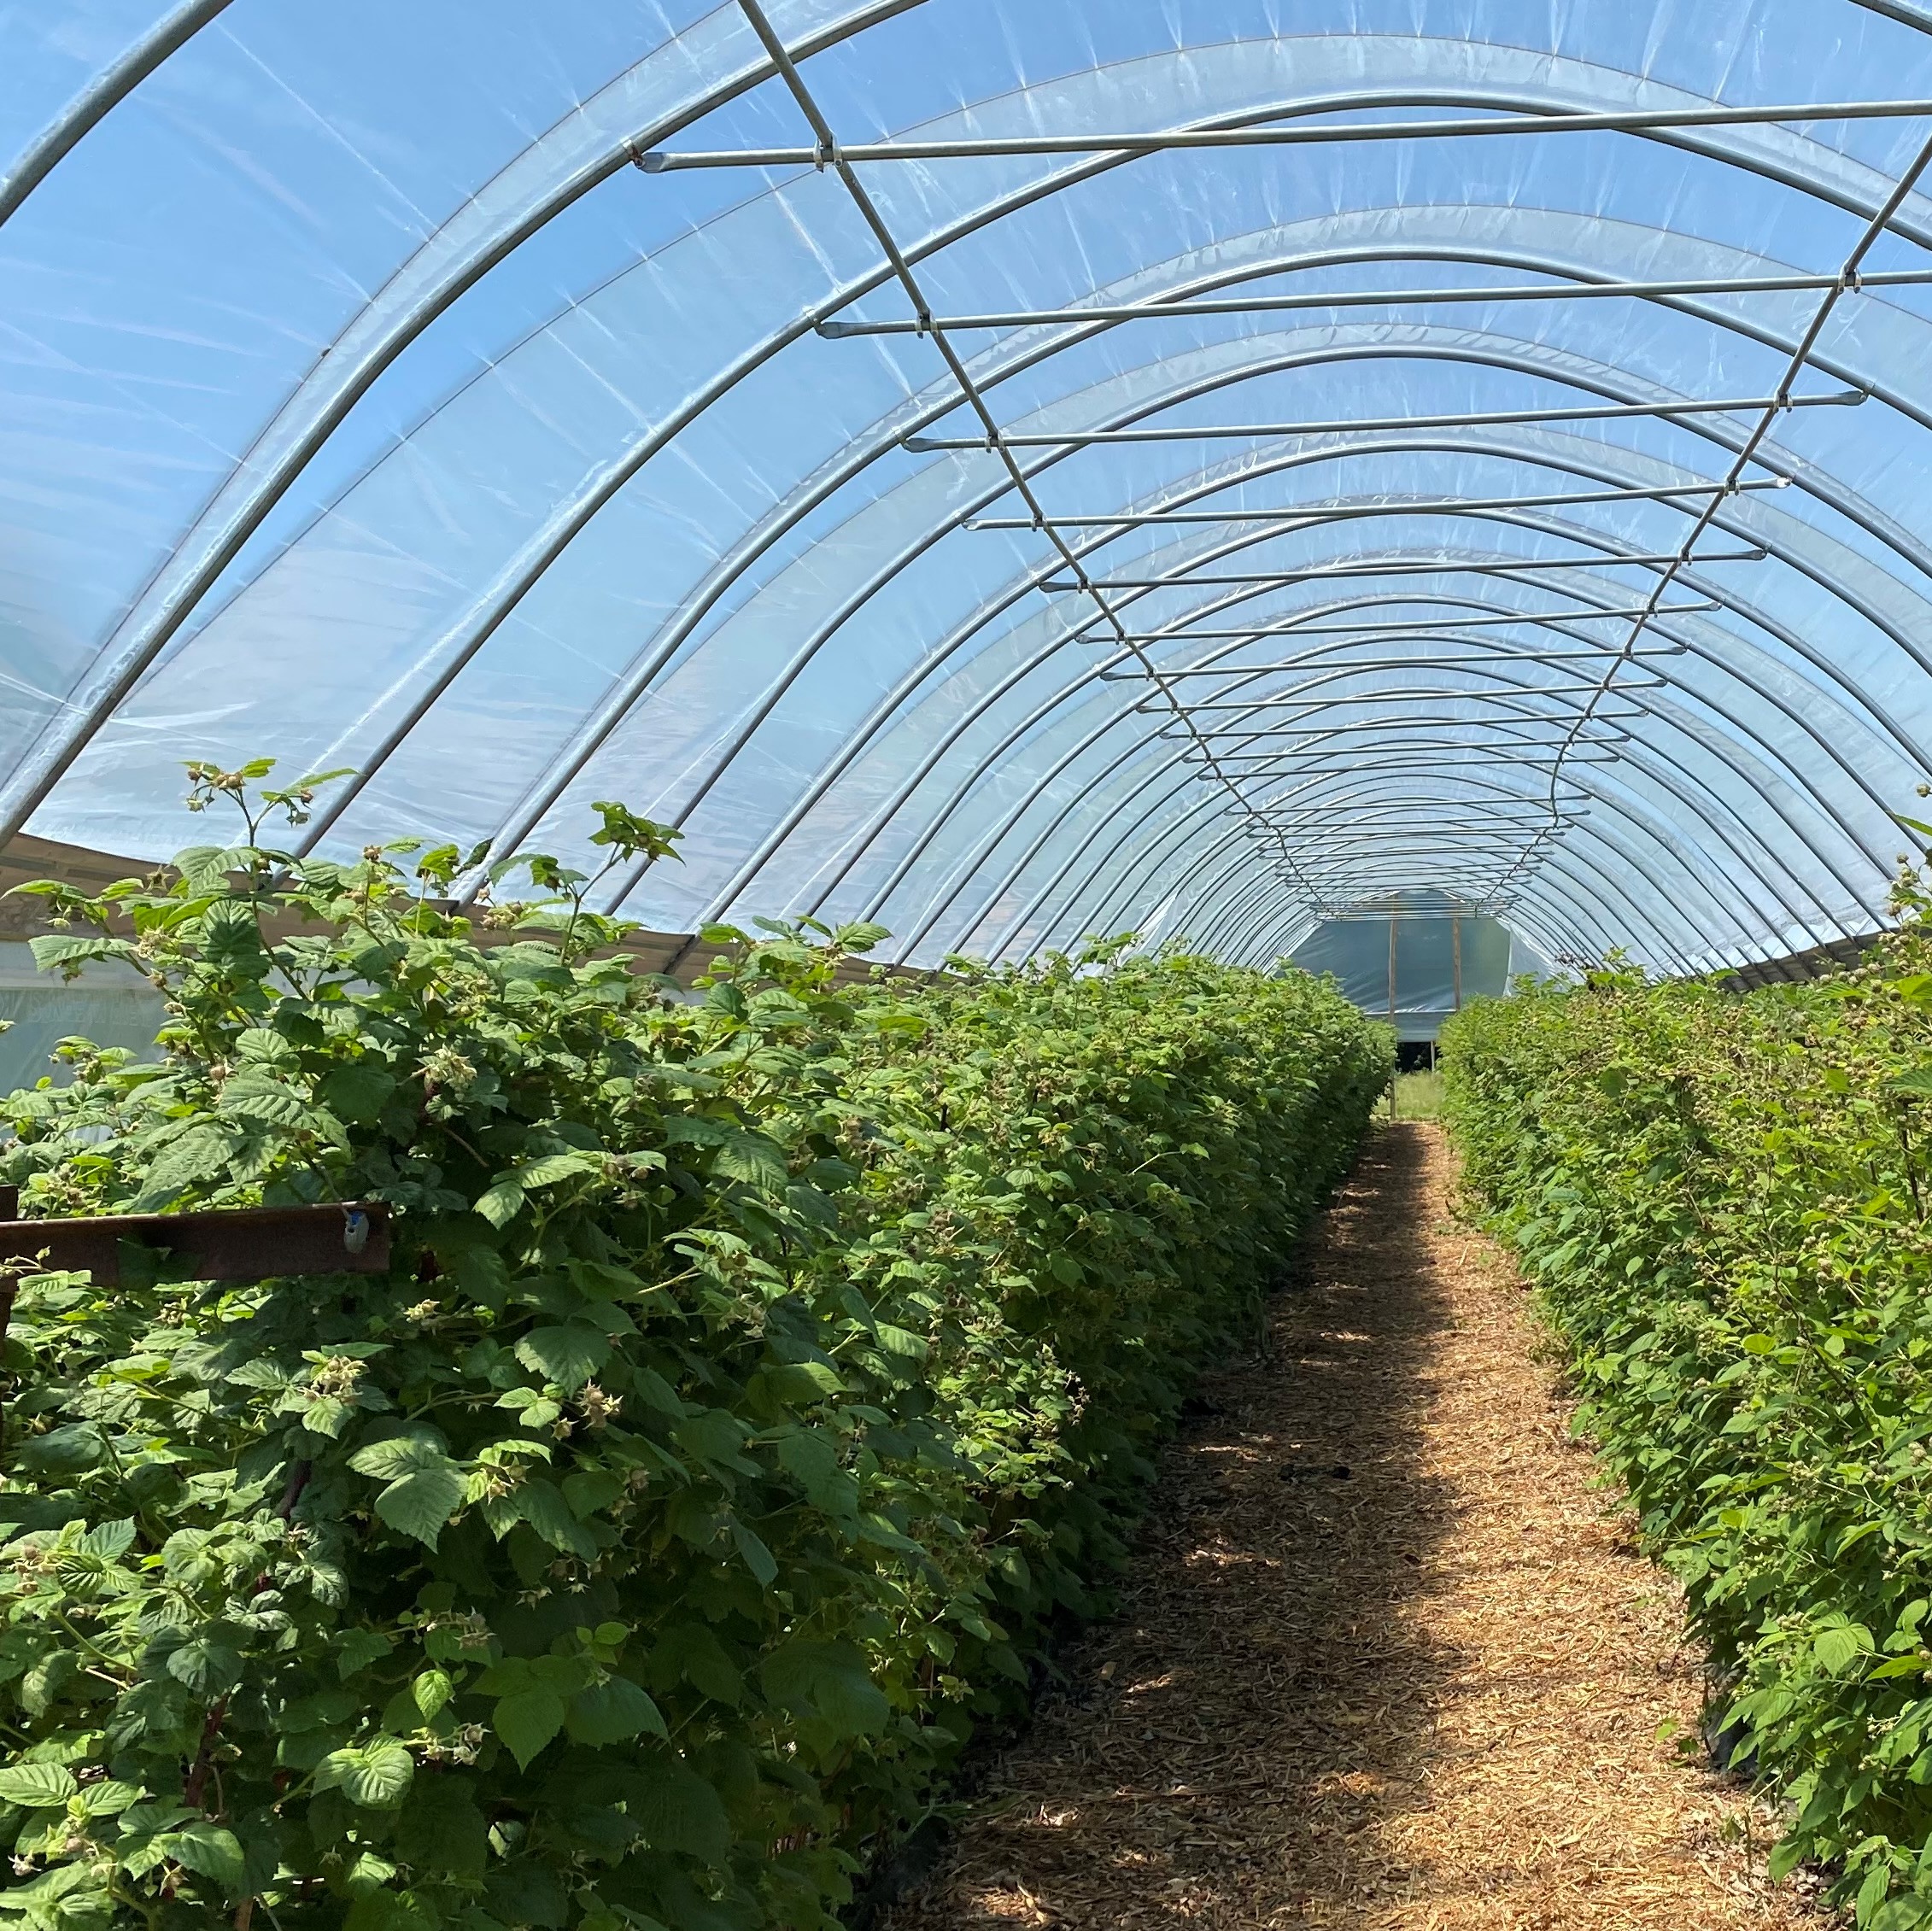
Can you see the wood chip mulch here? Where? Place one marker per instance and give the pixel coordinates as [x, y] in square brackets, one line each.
[1386, 1656]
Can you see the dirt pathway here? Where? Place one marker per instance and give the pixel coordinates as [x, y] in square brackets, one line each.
[1384, 1659]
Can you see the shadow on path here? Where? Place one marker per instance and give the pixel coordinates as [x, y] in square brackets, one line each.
[1382, 1659]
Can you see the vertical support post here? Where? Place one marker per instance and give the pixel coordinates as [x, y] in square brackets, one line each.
[1455, 956]
[1396, 1074]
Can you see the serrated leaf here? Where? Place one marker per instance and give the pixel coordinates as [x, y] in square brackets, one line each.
[60, 954]
[260, 1046]
[679, 1811]
[527, 1719]
[257, 1094]
[757, 1558]
[754, 1159]
[430, 1691]
[197, 1156]
[205, 1666]
[540, 1504]
[208, 1850]
[357, 1093]
[1838, 1649]
[555, 1167]
[425, 1487]
[690, 1652]
[36, 1787]
[110, 1541]
[376, 1775]
[501, 1203]
[109, 1797]
[611, 1711]
[830, 1680]
[568, 1355]
[901, 1341]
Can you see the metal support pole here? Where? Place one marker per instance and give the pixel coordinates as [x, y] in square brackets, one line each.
[1330, 512]
[828, 152]
[1489, 418]
[1499, 620]
[1632, 120]
[1378, 298]
[1848, 279]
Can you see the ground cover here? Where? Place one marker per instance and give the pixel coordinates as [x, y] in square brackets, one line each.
[1423, 1695]
[1722, 1200]
[759, 1380]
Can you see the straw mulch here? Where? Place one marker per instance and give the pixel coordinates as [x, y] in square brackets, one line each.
[1386, 1659]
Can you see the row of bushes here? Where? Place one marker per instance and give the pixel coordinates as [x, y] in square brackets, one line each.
[1722, 1198]
[759, 1379]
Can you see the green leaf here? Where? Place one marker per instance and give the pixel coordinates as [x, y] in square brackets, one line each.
[441, 1829]
[1838, 1649]
[830, 1680]
[208, 1667]
[358, 1093]
[611, 1711]
[430, 1691]
[68, 956]
[754, 1159]
[757, 1558]
[356, 1649]
[540, 1504]
[425, 1487]
[501, 1203]
[109, 1797]
[376, 1775]
[568, 1355]
[36, 1787]
[527, 1719]
[555, 1167]
[255, 1093]
[209, 1851]
[678, 1810]
[1902, 1914]
[690, 1652]
[199, 1155]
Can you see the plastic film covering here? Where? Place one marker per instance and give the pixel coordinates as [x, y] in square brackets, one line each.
[362, 403]
[1416, 959]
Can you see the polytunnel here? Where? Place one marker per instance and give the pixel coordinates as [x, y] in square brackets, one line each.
[1006, 471]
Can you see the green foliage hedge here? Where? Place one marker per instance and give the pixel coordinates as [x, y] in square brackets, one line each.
[1723, 1200]
[759, 1379]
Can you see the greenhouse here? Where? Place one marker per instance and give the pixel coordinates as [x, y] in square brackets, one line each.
[739, 742]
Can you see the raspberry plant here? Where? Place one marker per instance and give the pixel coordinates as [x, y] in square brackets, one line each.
[758, 1381]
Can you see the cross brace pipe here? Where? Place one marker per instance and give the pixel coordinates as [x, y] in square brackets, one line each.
[1377, 630]
[1493, 418]
[1267, 700]
[1329, 512]
[1446, 567]
[829, 153]
[1481, 659]
[837, 328]
[1310, 737]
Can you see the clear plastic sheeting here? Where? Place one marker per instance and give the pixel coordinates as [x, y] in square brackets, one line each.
[1338, 477]
[107, 1004]
[1416, 959]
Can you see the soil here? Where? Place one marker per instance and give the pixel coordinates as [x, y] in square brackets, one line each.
[1386, 1657]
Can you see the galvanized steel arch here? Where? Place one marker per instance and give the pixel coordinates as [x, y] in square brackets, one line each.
[557, 169]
